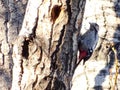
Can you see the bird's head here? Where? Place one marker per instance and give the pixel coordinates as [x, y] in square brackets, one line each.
[94, 26]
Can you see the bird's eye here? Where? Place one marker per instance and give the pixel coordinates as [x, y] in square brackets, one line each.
[90, 50]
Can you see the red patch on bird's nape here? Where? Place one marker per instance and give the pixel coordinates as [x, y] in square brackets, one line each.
[82, 54]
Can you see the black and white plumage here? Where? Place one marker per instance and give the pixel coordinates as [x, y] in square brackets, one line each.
[87, 42]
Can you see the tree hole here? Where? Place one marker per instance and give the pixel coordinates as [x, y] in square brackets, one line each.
[55, 12]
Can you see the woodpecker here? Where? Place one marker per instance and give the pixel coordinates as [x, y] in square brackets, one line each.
[87, 42]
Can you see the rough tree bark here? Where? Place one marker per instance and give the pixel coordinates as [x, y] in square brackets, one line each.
[45, 51]
[11, 17]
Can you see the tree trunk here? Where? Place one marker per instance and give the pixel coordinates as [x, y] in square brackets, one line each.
[11, 17]
[45, 51]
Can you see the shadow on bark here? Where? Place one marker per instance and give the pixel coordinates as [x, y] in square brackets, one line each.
[111, 60]
[5, 77]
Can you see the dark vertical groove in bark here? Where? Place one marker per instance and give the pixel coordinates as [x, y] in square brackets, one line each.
[51, 33]
[54, 66]
[50, 39]
[54, 54]
[35, 82]
[25, 49]
[69, 10]
[36, 24]
[69, 18]
[6, 14]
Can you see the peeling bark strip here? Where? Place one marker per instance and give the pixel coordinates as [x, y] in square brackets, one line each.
[18, 68]
[46, 49]
[27, 29]
[30, 18]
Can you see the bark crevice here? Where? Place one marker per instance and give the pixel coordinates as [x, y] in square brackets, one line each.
[25, 50]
